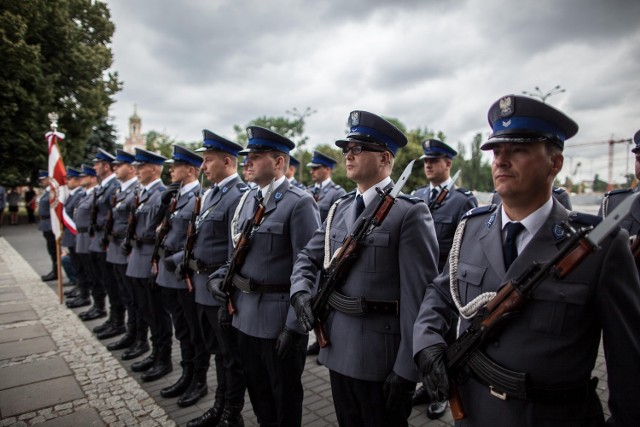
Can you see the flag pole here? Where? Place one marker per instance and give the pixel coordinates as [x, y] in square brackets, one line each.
[54, 127]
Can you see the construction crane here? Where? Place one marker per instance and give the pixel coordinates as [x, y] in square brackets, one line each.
[611, 144]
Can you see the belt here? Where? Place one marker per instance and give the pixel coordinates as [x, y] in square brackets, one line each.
[143, 240]
[118, 235]
[504, 383]
[98, 228]
[201, 268]
[359, 306]
[82, 229]
[248, 285]
[163, 252]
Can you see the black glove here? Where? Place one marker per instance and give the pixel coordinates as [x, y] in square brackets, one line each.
[224, 318]
[288, 343]
[398, 392]
[180, 272]
[169, 263]
[433, 372]
[214, 286]
[301, 302]
[169, 193]
[126, 248]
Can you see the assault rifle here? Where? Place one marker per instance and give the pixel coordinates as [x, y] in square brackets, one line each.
[108, 225]
[94, 213]
[132, 222]
[242, 247]
[163, 230]
[512, 296]
[192, 234]
[437, 202]
[335, 275]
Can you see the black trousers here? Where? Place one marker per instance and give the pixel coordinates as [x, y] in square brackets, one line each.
[362, 403]
[231, 383]
[182, 305]
[274, 384]
[126, 294]
[51, 248]
[155, 315]
[97, 287]
[110, 285]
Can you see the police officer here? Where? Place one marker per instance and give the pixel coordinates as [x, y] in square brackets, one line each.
[294, 164]
[136, 328]
[271, 341]
[370, 355]
[246, 176]
[179, 201]
[44, 225]
[210, 251]
[109, 185]
[438, 157]
[324, 191]
[68, 240]
[613, 198]
[148, 214]
[536, 369]
[82, 219]
[446, 214]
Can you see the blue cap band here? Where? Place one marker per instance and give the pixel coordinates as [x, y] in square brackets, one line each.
[321, 161]
[217, 145]
[389, 142]
[186, 159]
[268, 143]
[526, 124]
[438, 150]
[141, 158]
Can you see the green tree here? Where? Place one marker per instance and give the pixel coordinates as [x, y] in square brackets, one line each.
[103, 136]
[56, 54]
[599, 185]
[475, 172]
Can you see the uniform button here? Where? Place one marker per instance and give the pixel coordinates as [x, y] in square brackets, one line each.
[387, 327]
[496, 344]
[333, 235]
[370, 239]
[464, 273]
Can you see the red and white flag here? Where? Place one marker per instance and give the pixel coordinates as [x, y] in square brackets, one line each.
[57, 186]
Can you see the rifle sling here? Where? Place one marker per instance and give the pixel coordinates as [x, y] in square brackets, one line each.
[247, 285]
[359, 306]
[504, 383]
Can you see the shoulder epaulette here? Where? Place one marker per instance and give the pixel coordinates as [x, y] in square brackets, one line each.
[337, 186]
[480, 211]
[584, 218]
[559, 190]
[410, 198]
[349, 194]
[242, 187]
[618, 191]
[464, 191]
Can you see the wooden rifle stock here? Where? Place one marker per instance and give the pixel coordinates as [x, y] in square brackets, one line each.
[165, 226]
[192, 233]
[439, 200]
[131, 223]
[335, 275]
[635, 249]
[94, 214]
[240, 254]
[506, 304]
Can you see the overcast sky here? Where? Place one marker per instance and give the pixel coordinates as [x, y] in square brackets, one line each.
[190, 65]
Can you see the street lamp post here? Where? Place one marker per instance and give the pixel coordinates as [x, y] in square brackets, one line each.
[544, 95]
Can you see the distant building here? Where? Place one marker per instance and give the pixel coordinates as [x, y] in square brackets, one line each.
[135, 138]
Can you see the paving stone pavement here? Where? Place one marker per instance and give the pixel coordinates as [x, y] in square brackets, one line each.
[54, 372]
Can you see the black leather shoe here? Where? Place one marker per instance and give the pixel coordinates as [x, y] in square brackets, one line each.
[126, 341]
[157, 371]
[68, 284]
[106, 325]
[52, 275]
[436, 409]
[112, 331]
[78, 302]
[196, 391]
[231, 417]
[138, 349]
[96, 313]
[180, 386]
[419, 396]
[209, 418]
[144, 364]
[313, 349]
[72, 293]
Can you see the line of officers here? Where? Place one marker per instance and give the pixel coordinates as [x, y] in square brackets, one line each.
[160, 253]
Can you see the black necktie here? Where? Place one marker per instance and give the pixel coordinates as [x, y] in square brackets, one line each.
[259, 196]
[509, 248]
[359, 205]
[316, 193]
[214, 191]
[434, 194]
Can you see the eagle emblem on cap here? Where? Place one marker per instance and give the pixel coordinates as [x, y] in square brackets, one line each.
[506, 106]
[426, 145]
[355, 118]
[250, 133]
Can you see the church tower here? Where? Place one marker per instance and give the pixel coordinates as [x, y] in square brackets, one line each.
[135, 138]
